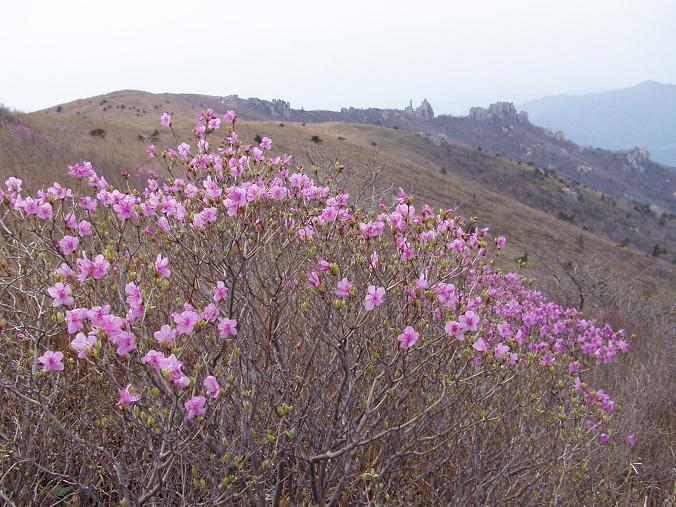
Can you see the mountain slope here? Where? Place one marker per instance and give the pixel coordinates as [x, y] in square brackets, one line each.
[644, 115]
[532, 207]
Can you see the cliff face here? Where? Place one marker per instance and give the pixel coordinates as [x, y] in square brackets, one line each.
[499, 111]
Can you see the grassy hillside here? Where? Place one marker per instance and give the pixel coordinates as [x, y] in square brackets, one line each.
[533, 208]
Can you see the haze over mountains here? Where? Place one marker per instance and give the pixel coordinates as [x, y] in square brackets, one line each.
[644, 115]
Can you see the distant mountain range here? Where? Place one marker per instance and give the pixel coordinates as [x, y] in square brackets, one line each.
[643, 115]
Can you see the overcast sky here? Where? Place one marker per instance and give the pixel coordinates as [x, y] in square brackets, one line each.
[329, 54]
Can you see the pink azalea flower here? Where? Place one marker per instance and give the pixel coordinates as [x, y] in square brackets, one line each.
[161, 266]
[65, 271]
[211, 386]
[501, 349]
[313, 279]
[154, 358]
[125, 342]
[134, 297]
[480, 345]
[229, 117]
[84, 228]
[343, 290]
[266, 143]
[82, 343]
[61, 295]
[195, 407]
[227, 328]
[51, 361]
[171, 364]
[75, 319]
[110, 324]
[96, 314]
[185, 322]
[165, 119]
[99, 267]
[470, 320]
[408, 338]
[455, 329]
[210, 313]
[573, 367]
[68, 244]
[166, 334]
[126, 397]
[375, 296]
[220, 291]
[500, 242]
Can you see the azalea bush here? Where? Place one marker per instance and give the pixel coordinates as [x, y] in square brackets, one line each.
[239, 332]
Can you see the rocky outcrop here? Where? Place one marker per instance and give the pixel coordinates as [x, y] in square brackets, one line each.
[276, 108]
[498, 111]
[638, 155]
[423, 112]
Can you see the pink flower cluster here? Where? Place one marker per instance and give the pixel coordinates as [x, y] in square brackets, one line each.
[500, 319]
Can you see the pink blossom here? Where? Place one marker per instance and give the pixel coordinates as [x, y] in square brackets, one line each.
[313, 279]
[51, 361]
[134, 297]
[161, 266]
[470, 320]
[45, 211]
[126, 397]
[455, 329]
[185, 322]
[266, 143]
[211, 386]
[68, 244]
[110, 324]
[371, 229]
[374, 297]
[501, 350]
[195, 407]
[125, 342]
[99, 267]
[227, 328]
[573, 367]
[344, 287]
[500, 242]
[65, 271]
[230, 117]
[61, 295]
[165, 119]
[166, 335]
[220, 291]
[82, 343]
[210, 313]
[84, 228]
[153, 358]
[408, 338]
[75, 319]
[480, 345]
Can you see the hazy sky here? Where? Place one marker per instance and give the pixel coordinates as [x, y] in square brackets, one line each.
[328, 54]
